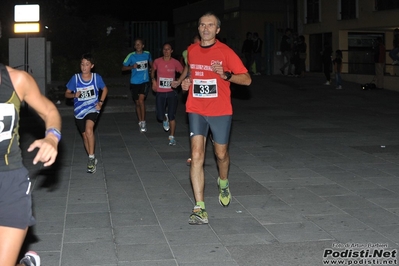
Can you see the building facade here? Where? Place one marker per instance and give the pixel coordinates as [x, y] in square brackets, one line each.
[353, 27]
[268, 18]
[349, 25]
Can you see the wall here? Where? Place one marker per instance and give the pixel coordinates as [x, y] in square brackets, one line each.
[390, 82]
[154, 34]
[368, 21]
[36, 58]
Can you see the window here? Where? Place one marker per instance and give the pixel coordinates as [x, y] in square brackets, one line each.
[312, 8]
[347, 9]
[360, 52]
[231, 15]
[386, 4]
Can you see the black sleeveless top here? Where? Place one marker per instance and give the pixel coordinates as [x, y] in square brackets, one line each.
[10, 153]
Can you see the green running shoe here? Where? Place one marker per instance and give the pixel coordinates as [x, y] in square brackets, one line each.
[199, 216]
[92, 165]
[224, 195]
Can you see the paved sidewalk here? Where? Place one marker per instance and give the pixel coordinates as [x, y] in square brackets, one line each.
[312, 169]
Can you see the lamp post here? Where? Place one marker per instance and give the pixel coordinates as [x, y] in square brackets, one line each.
[27, 21]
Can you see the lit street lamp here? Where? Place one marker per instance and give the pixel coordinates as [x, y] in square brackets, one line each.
[27, 18]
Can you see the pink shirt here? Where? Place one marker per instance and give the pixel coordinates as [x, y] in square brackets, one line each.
[166, 73]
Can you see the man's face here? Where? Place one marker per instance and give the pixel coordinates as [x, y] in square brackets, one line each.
[208, 28]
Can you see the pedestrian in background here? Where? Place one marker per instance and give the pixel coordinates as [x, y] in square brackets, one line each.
[84, 88]
[16, 216]
[163, 76]
[286, 50]
[257, 53]
[139, 63]
[326, 58]
[393, 54]
[337, 62]
[247, 50]
[213, 66]
[379, 62]
[302, 49]
[295, 56]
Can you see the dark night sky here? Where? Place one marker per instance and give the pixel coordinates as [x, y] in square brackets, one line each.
[122, 9]
[137, 10]
[59, 14]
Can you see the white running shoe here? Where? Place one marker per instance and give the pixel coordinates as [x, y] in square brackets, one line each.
[143, 127]
[31, 258]
[165, 123]
[172, 141]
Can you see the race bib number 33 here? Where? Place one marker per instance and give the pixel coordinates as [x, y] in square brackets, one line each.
[205, 88]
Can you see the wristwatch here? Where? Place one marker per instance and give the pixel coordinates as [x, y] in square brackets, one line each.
[228, 75]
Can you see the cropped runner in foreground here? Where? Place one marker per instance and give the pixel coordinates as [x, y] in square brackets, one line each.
[17, 86]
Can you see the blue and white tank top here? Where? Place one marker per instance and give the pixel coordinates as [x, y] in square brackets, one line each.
[89, 91]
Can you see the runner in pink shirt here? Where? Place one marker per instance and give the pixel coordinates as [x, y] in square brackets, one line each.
[163, 76]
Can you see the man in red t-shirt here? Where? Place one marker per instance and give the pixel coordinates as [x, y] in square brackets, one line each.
[212, 66]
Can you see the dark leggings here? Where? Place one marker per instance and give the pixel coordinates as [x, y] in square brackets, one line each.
[166, 103]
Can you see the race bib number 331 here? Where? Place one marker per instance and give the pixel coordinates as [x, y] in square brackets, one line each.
[205, 88]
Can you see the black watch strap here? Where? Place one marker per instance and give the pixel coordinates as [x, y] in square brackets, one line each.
[228, 75]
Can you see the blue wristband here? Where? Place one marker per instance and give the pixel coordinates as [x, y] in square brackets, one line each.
[55, 131]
